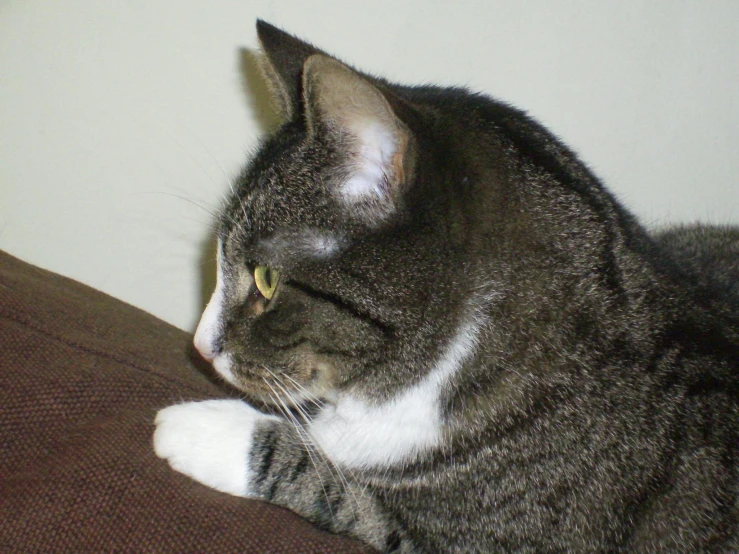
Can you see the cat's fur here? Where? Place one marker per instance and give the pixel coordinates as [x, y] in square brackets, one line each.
[475, 347]
[710, 253]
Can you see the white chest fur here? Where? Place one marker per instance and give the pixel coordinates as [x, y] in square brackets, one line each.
[357, 434]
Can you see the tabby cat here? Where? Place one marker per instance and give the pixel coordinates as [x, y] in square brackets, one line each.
[457, 339]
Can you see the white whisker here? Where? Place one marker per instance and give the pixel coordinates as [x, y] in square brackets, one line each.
[309, 396]
[333, 469]
[291, 418]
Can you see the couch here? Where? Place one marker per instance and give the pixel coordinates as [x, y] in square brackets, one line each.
[82, 376]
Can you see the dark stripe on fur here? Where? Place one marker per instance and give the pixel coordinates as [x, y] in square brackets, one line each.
[267, 446]
[300, 466]
[386, 328]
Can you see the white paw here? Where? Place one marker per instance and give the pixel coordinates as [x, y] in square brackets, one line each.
[209, 441]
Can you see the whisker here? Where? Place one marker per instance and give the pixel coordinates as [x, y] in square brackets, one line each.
[212, 157]
[216, 215]
[333, 469]
[291, 418]
[305, 392]
[308, 440]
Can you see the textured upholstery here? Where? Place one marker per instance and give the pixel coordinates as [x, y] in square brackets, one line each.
[81, 377]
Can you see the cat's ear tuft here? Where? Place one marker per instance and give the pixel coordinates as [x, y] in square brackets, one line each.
[282, 66]
[350, 110]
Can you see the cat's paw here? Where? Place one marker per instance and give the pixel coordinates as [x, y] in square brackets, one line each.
[209, 441]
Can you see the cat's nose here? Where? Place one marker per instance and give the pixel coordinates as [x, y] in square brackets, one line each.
[205, 339]
[207, 334]
[203, 344]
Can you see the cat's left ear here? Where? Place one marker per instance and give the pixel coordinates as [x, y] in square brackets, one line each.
[282, 66]
[346, 107]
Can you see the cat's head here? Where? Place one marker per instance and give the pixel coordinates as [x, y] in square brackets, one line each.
[331, 265]
[382, 226]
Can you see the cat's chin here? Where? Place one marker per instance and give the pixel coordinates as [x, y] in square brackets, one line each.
[308, 385]
[223, 364]
[298, 406]
[276, 395]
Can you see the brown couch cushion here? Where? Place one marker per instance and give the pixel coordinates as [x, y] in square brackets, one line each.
[81, 377]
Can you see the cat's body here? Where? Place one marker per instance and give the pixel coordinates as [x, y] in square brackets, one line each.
[475, 347]
[709, 253]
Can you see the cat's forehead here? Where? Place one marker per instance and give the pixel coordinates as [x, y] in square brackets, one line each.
[279, 209]
[282, 245]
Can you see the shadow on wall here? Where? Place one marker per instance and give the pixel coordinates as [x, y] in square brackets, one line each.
[259, 101]
[207, 267]
[259, 98]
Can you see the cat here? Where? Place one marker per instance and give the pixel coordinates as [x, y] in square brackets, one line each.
[454, 339]
[711, 253]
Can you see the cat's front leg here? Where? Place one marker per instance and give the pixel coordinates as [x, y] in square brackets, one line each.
[234, 448]
[211, 441]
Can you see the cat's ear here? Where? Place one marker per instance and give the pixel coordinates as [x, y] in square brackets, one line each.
[347, 108]
[282, 65]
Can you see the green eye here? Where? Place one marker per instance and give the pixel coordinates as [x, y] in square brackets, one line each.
[266, 280]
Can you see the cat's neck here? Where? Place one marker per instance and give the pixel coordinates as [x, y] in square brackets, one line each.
[355, 432]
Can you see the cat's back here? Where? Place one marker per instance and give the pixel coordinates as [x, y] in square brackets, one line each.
[709, 252]
[654, 375]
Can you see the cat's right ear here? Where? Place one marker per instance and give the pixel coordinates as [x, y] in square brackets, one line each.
[349, 110]
[282, 66]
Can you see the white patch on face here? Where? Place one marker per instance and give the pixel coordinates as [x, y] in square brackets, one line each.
[309, 242]
[322, 245]
[210, 326]
[357, 434]
[208, 329]
[222, 364]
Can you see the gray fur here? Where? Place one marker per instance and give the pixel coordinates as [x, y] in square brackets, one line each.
[599, 411]
[709, 252]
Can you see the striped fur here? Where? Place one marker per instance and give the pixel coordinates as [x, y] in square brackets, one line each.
[473, 347]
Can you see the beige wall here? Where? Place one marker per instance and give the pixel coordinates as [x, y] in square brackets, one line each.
[118, 119]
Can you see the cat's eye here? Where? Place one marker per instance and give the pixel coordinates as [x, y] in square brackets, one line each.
[266, 280]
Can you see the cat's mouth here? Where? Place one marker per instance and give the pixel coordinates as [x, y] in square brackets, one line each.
[299, 384]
